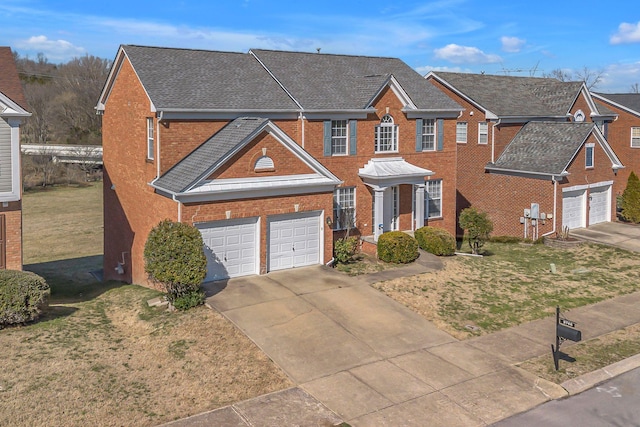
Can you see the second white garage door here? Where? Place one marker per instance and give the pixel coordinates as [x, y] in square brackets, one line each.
[599, 205]
[573, 209]
[294, 240]
[231, 247]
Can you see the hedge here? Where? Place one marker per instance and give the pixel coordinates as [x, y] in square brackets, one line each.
[22, 296]
[397, 247]
[436, 241]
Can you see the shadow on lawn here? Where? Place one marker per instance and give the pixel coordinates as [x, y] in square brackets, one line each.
[71, 280]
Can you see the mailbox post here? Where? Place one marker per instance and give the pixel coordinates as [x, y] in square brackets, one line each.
[565, 330]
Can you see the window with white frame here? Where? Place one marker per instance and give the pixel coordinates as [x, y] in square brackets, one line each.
[386, 135]
[344, 208]
[635, 137]
[433, 199]
[483, 133]
[588, 158]
[429, 135]
[150, 139]
[339, 137]
[461, 132]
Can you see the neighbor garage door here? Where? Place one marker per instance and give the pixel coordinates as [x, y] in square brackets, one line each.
[599, 205]
[294, 240]
[231, 247]
[573, 209]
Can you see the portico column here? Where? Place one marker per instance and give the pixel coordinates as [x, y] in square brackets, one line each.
[378, 212]
[419, 212]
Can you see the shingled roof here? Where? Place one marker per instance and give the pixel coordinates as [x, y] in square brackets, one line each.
[629, 101]
[511, 96]
[543, 147]
[10, 84]
[203, 160]
[332, 82]
[189, 79]
[263, 80]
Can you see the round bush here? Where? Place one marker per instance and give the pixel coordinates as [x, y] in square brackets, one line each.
[22, 296]
[436, 241]
[397, 247]
[174, 256]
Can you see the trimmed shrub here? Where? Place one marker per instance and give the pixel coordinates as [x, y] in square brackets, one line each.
[477, 226]
[174, 257]
[189, 300]
[436, 241]
[344, 249]
[630, 200]
[397, 247]
[22, 296]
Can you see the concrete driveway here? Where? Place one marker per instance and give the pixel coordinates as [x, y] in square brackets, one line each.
[621, 235]
[369, 359]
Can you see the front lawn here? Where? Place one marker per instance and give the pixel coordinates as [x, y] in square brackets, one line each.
[100, 355]
[513, 284]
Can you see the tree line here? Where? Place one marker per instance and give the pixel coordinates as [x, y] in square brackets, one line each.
[62, 99]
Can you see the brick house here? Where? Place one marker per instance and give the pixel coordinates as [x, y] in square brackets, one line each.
[271, 154]
[532, 152]
[13, 112]
[623, 133]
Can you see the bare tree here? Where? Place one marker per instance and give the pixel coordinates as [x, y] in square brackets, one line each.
[635, 88]
[591, 78]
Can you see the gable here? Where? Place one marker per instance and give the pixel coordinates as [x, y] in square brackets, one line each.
[220, 168]
[265, 156]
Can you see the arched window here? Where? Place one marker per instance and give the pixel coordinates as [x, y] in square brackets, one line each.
[386, 135]
[264, 163]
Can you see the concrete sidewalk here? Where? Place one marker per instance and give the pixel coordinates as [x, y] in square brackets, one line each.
[360, 357]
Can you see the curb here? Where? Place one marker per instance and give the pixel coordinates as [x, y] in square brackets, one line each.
[592, 379]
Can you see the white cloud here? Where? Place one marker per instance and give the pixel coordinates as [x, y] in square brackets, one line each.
[512, 44]
[465, 55]
[618, 78]
[54, 50]
[426, 68]
[627, 33]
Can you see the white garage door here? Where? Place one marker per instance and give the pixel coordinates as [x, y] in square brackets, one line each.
[294, 240]
[231, 247]
[599, 205]
[573, 209]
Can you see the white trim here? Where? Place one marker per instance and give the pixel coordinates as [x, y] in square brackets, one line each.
[586, 186]
[16, 177]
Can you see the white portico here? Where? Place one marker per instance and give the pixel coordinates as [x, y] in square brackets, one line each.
[384, 175]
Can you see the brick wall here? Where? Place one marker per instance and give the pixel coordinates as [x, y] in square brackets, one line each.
[13, 234]
[131, 208]
[619, 138]
[346, 167]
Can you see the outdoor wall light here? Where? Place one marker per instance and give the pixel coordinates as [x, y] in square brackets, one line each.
[329, 221]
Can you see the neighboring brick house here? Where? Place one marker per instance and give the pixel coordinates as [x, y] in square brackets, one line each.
[270, 154]
[623, 133]
[531, 149]
[13, 112]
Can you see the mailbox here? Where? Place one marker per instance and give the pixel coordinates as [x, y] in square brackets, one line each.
[569, 333]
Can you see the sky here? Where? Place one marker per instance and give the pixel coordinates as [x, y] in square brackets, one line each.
[495, 37]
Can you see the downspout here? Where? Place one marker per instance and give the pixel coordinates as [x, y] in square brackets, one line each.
[555, 206]
[301, 116]
[160, 114]
[493, 140]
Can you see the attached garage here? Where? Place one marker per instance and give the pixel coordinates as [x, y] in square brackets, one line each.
[574, 209]
[294, 240]
[232, 248]
[599, 204]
